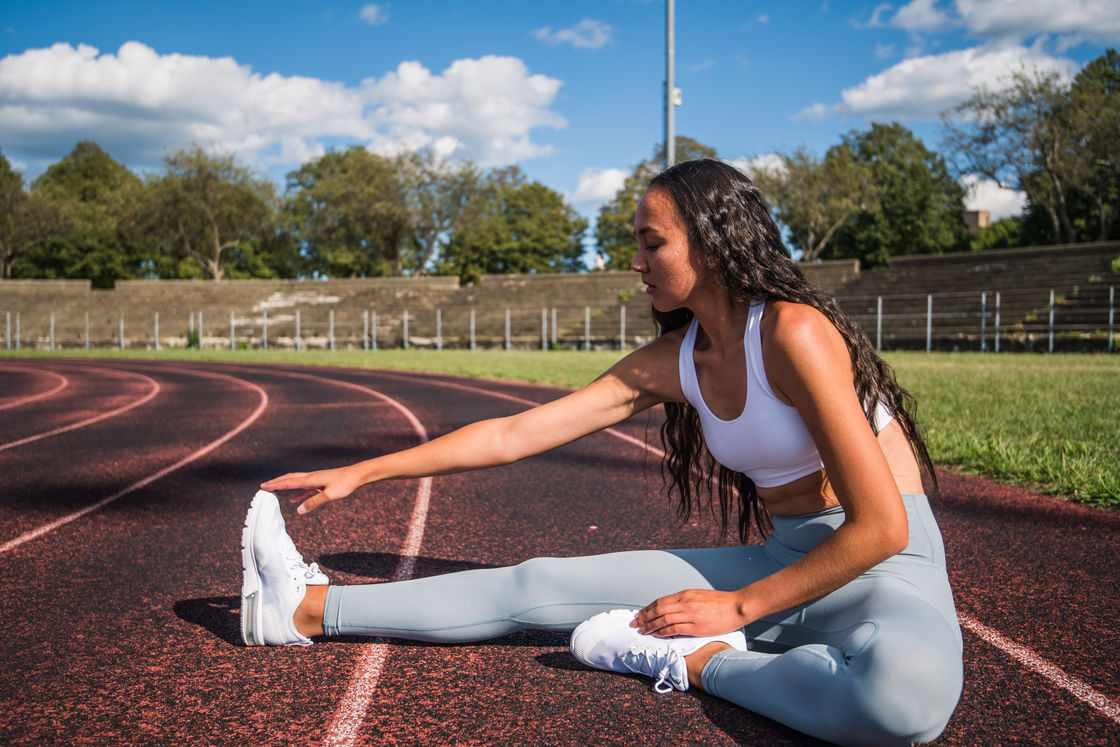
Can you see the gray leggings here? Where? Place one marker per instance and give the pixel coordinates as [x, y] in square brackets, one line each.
[877, 661]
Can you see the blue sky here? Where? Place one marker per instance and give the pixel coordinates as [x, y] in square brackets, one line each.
[569, 91]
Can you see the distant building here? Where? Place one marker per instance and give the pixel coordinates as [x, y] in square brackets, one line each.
[977, 219]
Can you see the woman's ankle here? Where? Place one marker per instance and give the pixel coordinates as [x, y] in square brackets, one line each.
[698, 659]
[308, 617]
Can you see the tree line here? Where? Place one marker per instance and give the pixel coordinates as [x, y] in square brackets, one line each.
[878, 193]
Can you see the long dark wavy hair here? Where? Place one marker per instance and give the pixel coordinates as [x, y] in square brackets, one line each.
[728, 222]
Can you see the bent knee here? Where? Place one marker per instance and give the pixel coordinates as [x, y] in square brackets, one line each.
[910, 688]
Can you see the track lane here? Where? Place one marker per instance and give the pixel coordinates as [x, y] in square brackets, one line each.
[15, 392]
[523, 689]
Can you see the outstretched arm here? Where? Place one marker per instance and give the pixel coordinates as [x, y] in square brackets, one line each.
[640, 380]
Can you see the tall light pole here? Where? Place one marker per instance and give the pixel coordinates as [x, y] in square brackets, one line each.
[672, 95]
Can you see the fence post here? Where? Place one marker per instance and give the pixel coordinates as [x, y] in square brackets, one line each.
[365, 329]
[554, 337]
[929, 322]
[472, 330]
[439, 329]
[983, 321]
[232, 333]
[299, 338]
[622, 328]
[373, 329]
[997, 321]
[879, 323]
[87, 330]
[507, 330]
[157, 330]
[122, 333]
[544, 329]
[17, 331]
[264, 331]
[586, 327]
[404, 329]
[1111, 299]
[1051, 320]
[200, 330]
[52, 331]
[8, 328]
[330, 329]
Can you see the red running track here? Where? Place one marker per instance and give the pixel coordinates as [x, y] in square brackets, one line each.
[124, 489]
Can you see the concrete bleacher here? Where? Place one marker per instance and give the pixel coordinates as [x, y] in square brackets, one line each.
[587, 307]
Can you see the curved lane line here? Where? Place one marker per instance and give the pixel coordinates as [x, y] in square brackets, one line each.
[351, 712]
[1032, 661]
[96, 418]
[46, 528]
[1020, 653]
[41, 395]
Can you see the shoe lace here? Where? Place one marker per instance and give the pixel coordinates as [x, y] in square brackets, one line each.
[295, 561]
[653, 662]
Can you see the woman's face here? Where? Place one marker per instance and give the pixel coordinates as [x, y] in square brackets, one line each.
[671, 271]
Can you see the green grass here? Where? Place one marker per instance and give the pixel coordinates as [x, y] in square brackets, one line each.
[1045, 421]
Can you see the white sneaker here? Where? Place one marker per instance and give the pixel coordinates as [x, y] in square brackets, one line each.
[607, 641]
[275, 578]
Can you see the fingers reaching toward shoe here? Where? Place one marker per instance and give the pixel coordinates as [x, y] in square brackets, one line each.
[316, 488]
[693, 612]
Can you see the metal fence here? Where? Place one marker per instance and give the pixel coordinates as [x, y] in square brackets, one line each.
[988, 321]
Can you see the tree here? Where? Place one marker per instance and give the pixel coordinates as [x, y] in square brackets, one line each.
[516, 226]
[1018, 137]
[27, 219]
[614, 229]
[813, 198]
[920, 209]
[440, 196]
[1093, 150]
[101, 196]
[207, 207]
[348, 211]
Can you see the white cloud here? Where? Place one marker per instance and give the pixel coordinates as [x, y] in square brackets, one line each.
[984, 194]
[883, 51]
[765, 162]
[1098, 19]
[138, 104]
[922, 87]
[876, 20]
[921, 16]
[587, 34]
[699, 66]
[597, 186]
[762, 19]
[374, 14]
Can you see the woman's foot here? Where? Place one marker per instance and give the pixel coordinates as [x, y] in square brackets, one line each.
[275, 581]
[607, 641]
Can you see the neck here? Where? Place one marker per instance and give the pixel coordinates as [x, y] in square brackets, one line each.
[721, 319]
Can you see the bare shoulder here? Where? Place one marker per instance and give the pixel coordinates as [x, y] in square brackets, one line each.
[652, 371]
[798, 343]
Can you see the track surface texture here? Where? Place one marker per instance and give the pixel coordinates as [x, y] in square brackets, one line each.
[125, 485]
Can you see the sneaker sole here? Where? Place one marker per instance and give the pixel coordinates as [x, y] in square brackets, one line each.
[251, 622]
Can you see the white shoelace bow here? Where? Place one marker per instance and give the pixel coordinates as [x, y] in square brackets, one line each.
[653, 662]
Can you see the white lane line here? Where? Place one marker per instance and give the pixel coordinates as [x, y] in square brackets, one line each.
[1022, 654]
[63, 383]
[1032, 661]
[152, 392]
[351, 711]
[46, 528]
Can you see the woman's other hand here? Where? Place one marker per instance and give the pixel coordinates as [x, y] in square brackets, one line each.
[316, 488]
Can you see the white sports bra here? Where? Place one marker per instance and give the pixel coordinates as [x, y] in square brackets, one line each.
[768, 441]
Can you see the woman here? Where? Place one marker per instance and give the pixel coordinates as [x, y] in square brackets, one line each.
[779, 403]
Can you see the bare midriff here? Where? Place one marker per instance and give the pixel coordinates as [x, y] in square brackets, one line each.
[814, 492]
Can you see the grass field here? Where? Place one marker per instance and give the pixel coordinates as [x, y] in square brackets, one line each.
[1045, 421]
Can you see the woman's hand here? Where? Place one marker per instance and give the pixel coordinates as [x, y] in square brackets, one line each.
[693, 612]
[317, 487]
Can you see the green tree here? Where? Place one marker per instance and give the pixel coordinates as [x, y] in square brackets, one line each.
[101, 196]
[1018, 137]
[439, 196]
[920, 209]
[814, 197]
[27, 219]
[207, 209]
[614, 228]
[348, 210]
[1092, 113]
[516, 226]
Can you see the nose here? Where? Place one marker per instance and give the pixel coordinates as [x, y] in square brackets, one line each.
[639, 263]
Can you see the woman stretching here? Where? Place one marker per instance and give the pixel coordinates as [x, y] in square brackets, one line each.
[840, 625]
